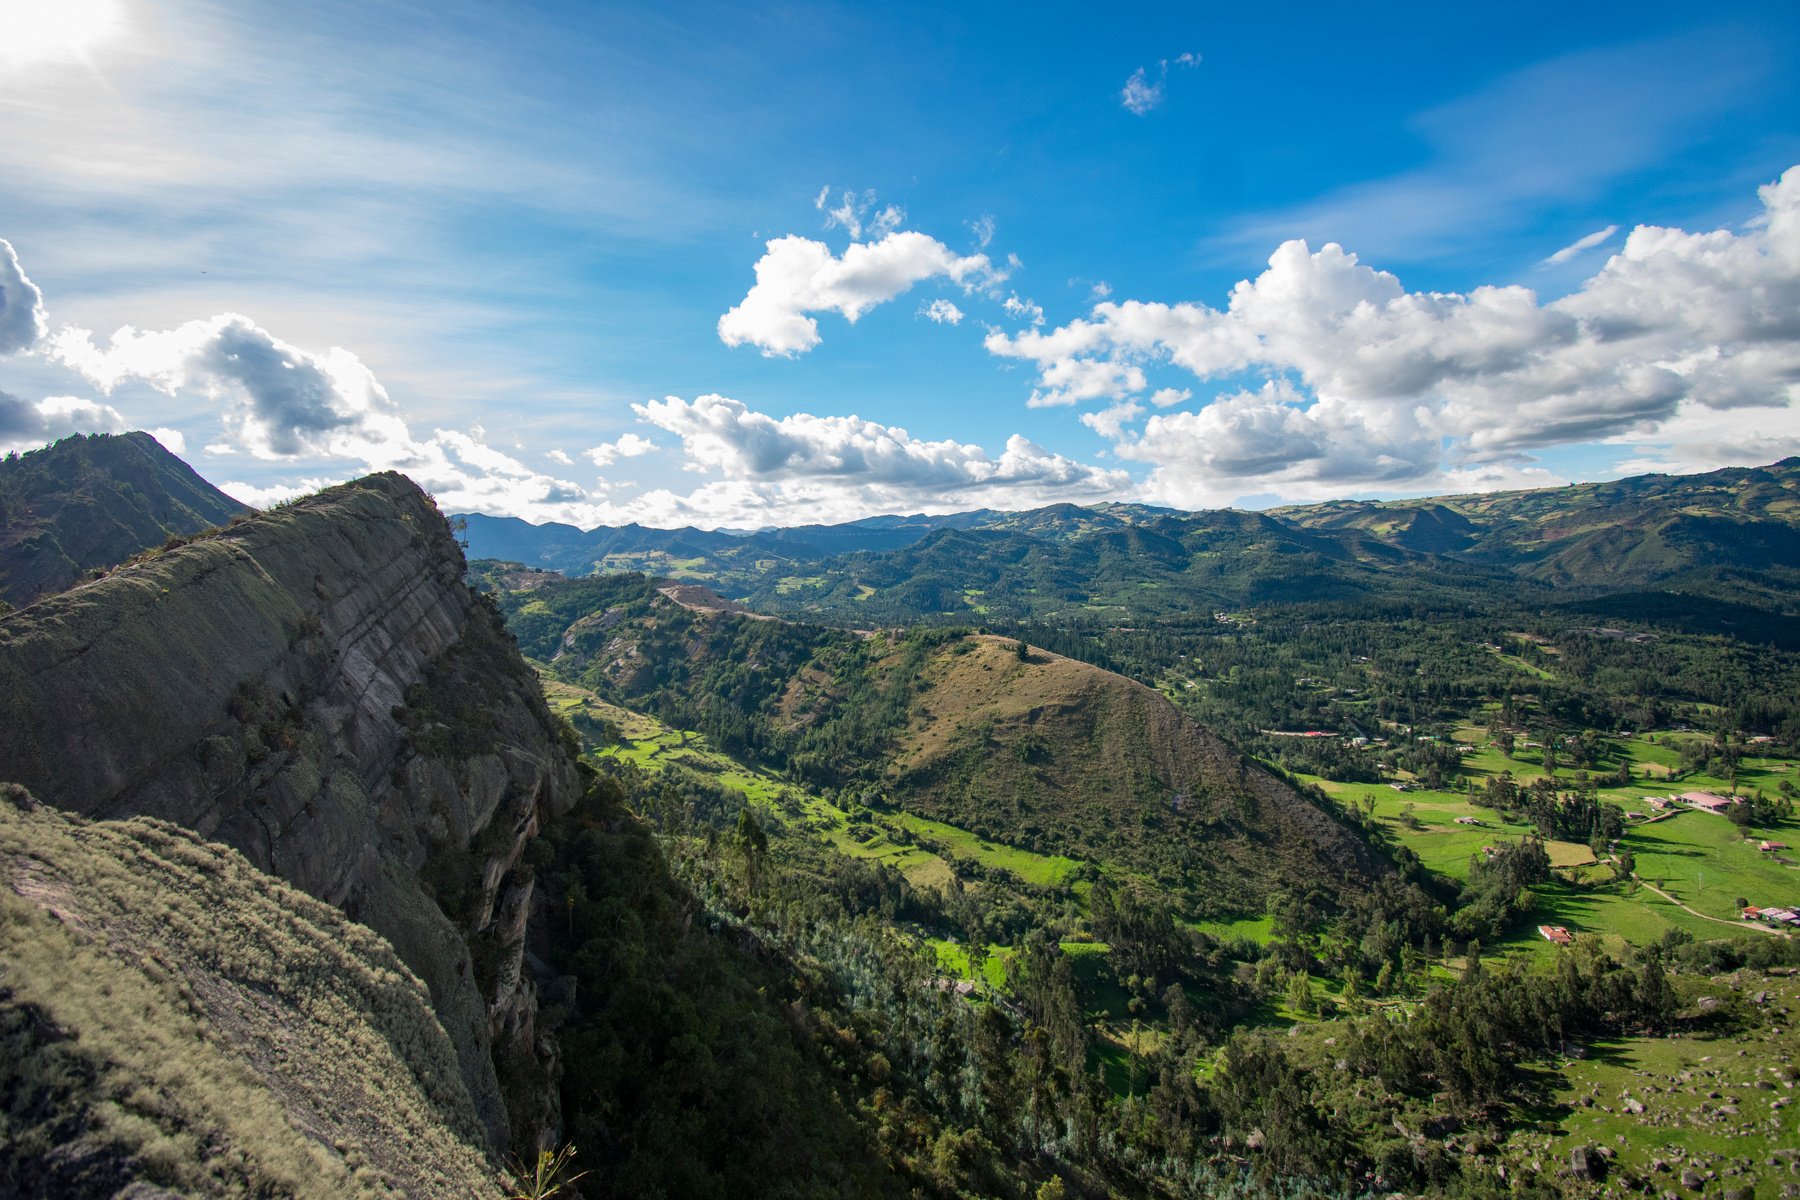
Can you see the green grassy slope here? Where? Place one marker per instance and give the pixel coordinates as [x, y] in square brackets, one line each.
[1043, 753]
[173, 1016]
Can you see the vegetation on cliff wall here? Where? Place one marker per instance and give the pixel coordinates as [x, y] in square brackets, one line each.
[317, 688]
[170, 1015]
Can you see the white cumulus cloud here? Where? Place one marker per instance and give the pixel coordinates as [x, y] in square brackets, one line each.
[279, 401]
[1374, 385]
[806, 467]
[797, 276]
[25, 424]
[629, 445]
[942, 311]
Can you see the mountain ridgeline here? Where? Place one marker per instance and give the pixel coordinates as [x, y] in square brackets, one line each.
[281, 807]
[333, 864]
[316, 688]
[90, 501]
[1731, 535]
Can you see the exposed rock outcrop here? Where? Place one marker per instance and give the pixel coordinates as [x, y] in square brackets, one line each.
[317, 688]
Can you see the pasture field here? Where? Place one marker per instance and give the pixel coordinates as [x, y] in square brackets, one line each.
[890, 838]
[1701, 860]
[1716, 1100]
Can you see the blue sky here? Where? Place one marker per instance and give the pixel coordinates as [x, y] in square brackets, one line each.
[598, 263]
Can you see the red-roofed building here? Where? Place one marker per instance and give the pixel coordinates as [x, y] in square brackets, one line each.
[1705, 801]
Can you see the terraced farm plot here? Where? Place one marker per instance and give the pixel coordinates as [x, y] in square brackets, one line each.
[887, 838]
[1040, 870]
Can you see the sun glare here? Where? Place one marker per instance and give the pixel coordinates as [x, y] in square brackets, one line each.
[49, 31]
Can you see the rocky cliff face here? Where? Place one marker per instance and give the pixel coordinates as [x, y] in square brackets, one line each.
[316, 688]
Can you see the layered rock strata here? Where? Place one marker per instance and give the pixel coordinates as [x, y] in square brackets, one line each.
[318, 689]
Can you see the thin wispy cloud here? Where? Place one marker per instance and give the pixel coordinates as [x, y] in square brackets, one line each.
[1523, 145]
[1579, 245]
[854, 212]
[1141, 93]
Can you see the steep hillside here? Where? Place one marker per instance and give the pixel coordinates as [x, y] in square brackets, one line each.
[93, 501]
[175, 1019]
[1064, 758]
[1043, 752]
[316, 688]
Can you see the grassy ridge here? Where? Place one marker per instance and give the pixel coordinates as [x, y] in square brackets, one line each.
[205, 1028]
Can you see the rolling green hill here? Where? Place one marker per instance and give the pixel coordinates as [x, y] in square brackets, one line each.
[1039, 751]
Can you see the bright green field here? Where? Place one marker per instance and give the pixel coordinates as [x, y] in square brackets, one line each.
[1703, 860]
[1706, 862]
[1038, 869]
[957, 962]
[1441, 844]
[887, 838]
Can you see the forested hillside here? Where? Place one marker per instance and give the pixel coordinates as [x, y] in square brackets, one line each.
[1730, 536]
[1111, 1022]
[90, 502]
[1342, 886]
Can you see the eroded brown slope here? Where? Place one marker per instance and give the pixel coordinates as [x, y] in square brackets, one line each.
[1065, 758]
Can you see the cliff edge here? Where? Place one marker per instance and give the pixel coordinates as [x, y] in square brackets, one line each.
[317, 688]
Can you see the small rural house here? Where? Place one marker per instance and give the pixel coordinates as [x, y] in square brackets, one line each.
[1705, 801]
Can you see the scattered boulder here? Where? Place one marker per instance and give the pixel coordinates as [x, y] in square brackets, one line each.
[1587, 1162]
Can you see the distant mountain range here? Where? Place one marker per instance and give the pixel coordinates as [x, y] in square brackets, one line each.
[1732, 535]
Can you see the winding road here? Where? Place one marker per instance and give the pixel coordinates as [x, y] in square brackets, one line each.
[1704, 917]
